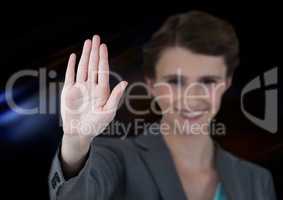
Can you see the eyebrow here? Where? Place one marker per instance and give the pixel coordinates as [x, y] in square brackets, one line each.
[215, 77]
[171, 76]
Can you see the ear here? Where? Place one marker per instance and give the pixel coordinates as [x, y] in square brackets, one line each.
[150, 85]
[228, 82]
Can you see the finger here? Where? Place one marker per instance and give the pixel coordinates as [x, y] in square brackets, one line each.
[94, 59]
[103, 67]
[83, 64]
[70, 72]
[115, 96]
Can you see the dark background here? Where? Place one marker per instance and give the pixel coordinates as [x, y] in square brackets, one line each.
[28, 143]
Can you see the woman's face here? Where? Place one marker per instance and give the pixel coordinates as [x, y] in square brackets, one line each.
[188, 88]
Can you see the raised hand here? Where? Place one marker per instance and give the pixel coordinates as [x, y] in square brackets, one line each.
[87, 106]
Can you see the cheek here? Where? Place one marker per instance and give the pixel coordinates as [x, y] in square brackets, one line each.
[216, 95]
[164, 95]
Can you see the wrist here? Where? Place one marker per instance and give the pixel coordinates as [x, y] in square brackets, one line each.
[74, 147]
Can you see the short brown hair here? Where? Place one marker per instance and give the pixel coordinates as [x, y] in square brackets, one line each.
[197, 31]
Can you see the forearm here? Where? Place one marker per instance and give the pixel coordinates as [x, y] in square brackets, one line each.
[101, 170]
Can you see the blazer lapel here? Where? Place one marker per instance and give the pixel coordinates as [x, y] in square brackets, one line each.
[232, 180]
[157, 157]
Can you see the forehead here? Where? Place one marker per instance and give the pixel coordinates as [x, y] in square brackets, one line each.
[180, 60]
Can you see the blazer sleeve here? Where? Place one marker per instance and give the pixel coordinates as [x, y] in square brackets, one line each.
[269, 187]
[98, 179]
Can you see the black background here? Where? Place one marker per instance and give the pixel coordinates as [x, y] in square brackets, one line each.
[34, 40]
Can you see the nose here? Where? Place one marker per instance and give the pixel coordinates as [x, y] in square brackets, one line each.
[195, 97]
[196, 90]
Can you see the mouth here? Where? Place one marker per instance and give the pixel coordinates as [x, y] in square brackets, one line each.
[192, 115]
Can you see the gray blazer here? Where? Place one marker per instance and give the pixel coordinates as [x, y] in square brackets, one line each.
[142, 168]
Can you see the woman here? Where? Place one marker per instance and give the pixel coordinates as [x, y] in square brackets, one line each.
[189, 64]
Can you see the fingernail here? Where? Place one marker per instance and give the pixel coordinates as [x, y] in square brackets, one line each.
[96, 36]
[125, 84]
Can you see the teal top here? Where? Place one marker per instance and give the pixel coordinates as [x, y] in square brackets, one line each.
[220, 193]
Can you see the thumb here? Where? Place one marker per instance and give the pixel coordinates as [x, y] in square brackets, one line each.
[115, 96]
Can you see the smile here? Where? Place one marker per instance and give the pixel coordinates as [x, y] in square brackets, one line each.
[192, 115]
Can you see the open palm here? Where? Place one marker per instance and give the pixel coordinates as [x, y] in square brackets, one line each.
[87, 106]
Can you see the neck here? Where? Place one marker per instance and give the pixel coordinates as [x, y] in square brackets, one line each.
[193, 151]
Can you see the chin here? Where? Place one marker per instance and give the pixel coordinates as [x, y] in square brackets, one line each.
[192, 126]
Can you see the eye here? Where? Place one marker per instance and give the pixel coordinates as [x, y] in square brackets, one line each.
[208, 81]
[176, 81]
